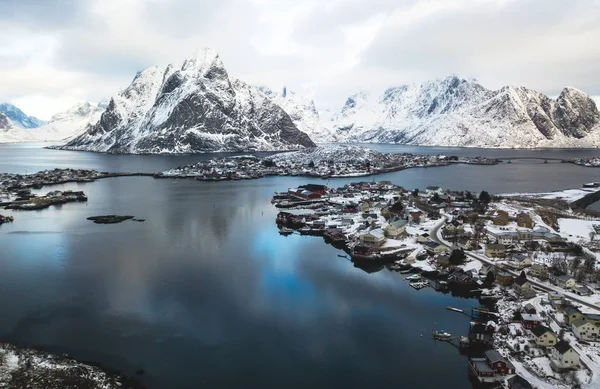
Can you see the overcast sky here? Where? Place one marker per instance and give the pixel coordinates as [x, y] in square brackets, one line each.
[56, 53]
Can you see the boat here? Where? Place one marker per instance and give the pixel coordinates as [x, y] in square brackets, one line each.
[405, 271]
[441, 335]
[414, 277]
[419, 285]
[285, 231]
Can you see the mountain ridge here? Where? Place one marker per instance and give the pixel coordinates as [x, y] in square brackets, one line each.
[19, 118]
[195, 107]
[455, 112]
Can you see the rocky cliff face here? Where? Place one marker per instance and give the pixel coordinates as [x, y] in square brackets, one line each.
[458, 112]
[193, 108]
[5, 124]
[303, 113]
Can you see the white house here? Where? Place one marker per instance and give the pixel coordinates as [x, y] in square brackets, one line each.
[430, 190]
[372, 238]
[542, 336]
[566, 282]
[563, 356]
[585, 330]
[395, 228]
[520, 261]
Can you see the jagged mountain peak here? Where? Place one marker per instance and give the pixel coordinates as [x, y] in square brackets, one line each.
[453, 111]
[195, 107]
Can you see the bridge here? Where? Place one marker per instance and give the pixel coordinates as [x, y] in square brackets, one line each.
[545, 159]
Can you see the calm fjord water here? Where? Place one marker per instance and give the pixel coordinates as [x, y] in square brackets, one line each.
[206, 292]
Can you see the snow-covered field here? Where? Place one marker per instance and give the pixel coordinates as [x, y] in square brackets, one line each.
[576, 230]
[568, 195]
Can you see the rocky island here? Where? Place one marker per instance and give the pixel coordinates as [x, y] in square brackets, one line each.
[323, 162]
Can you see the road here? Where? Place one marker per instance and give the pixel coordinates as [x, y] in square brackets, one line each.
[436, 237]
[584, 358]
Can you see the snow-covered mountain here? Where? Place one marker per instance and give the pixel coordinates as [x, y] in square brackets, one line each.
[303, 113]
[61, 126]
[458, 112]
[70, 123]
[19, 118]
[195, 107]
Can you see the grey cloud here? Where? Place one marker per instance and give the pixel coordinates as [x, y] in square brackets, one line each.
[43, 14]
[530, 43]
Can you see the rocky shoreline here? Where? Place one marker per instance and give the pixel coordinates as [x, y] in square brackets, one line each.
[29, 368]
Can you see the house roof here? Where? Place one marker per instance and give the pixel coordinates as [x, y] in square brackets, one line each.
[569, 310]
[540, 330]
[398, 223]
[378, 233]
[481, 365]
[583, 289]
[562, 347]
[518, 382]
[521, 280]
[521, 257]
[494, 246]
[433, 188]
[564, 278]
[432, 245]
[579, 322]
[494, 356]
[592, 316]
[425, 235]
[530, 317]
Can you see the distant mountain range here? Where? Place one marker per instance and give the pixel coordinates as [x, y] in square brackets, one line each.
[195, 107]
[457, 112]
[61, 126]
[18, 118]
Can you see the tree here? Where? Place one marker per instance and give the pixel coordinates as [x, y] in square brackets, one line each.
[436, 198]
[468, 195]
[269, 163]
[457, 257]
[397, 207]
[485, 197]
[311, 164]
[415, 193]
[489, 277]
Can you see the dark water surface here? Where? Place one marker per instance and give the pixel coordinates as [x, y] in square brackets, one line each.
[205, 293]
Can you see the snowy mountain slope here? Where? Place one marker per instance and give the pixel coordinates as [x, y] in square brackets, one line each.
[303, 113]
[457, 112]
[61, 126]
[67, 124]
[19, 118]
[195, 107]
[337, 153]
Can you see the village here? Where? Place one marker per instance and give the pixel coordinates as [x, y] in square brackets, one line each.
[534, 268]
[322, 162]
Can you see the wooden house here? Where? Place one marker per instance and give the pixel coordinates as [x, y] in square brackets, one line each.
[563, 356]
[571, 314]
[373, 238]
[539, 271]
[395, 229]
[564, 281]
[504, 278]
[585, 330]
[529, 321]
[542, 336]
[494, 250]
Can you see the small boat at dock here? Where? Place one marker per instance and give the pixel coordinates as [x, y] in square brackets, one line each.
[285, 231]
[419, 285]
[414, 277]
[441, 335]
